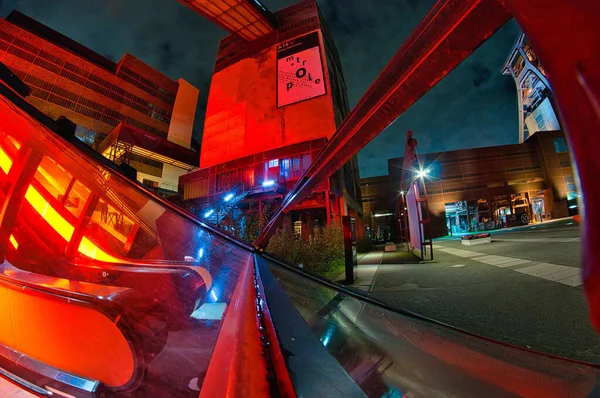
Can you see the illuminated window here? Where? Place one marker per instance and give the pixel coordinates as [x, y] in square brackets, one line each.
[273, 163]
[560, 145]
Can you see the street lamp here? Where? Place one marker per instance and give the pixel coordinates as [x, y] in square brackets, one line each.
[228, 197]
[208, 213]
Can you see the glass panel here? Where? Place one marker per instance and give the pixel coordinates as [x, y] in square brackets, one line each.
[77, 197]
[151, 285]
[53, 178]
[394, 355]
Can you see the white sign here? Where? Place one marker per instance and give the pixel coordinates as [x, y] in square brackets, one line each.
[299, 70]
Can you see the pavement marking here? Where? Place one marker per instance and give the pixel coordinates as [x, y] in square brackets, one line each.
[460, 252]
[566, 275]
[512, 263]
[540, 240]
[494, 260]
[542, 269]
[572, 281]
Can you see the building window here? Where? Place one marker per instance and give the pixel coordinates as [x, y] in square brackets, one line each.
[293, 167]
[273, 163]
[560, 145]
[150, 183]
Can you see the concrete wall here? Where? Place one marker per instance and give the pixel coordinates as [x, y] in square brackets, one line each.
[169, 179]
[182, 118]
[242, 117]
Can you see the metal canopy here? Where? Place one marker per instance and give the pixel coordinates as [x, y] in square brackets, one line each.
[248, 19]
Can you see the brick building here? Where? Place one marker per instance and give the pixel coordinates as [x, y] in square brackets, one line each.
[98, 95]
[274, 102]
[379, 199]
[491, 187]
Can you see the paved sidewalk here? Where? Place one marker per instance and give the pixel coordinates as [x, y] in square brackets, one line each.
[565, 274]
[367, 269]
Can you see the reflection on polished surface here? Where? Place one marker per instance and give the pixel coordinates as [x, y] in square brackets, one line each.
[119, 280]
[390, 354]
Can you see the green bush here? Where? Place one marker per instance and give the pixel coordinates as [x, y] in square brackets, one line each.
[323, 252]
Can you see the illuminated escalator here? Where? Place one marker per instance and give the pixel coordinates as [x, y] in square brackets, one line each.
[102, 283]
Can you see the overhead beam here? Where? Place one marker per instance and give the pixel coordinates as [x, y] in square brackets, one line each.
[248, 19]
[450, 32]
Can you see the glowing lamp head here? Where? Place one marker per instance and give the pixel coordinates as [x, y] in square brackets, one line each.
[228, 197]
[268, 183]
[422, 173]
[208, 213]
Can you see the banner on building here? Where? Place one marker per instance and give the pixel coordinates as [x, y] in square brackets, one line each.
[415, 215]
[299, 70]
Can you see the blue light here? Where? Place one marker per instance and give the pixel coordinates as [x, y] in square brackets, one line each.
[201, 253]
[268, 183]
[208, 213]
[228, 197]
[573, 207]
[213, 294]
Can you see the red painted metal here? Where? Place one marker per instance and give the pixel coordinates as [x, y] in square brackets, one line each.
[237, 367]
[451, 31]
[566, 38]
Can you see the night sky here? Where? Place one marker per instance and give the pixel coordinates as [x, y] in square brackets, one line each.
[474, 106]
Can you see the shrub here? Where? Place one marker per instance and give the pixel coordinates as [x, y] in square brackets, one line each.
[323, 252]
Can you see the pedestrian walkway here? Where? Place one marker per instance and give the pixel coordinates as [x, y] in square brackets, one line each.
[567, 275]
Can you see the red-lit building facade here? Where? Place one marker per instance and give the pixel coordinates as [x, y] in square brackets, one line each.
[273, 104]
[105, 99]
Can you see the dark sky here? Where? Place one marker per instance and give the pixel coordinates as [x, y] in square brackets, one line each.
[474, 106]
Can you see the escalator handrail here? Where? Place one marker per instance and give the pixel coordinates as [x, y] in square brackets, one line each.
[88, 152]
[403, 312]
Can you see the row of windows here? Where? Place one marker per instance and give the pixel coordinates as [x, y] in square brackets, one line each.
[483, 173]
[283, 169]
[472, 187]
[486, 158]
[66, 99]
[81, 77]
[145, 160]
[146, 85]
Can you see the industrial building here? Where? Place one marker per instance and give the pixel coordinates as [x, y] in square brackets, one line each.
[495, 187]
[128, 110]
[275, 99]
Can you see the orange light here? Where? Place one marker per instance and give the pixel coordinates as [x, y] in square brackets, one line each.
[14, 142]
[5, 162]
[88, 248]
[55, 220]
[14, 242]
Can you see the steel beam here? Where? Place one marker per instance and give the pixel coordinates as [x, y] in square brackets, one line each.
[450, 32]
[566, 38]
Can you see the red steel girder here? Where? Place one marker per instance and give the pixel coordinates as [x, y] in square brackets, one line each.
[566, 38]
[248, 19]
[450, 32]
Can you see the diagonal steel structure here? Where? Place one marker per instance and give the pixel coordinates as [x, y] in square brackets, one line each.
[248, 19]
[450, 32]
